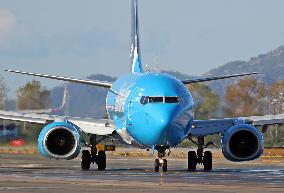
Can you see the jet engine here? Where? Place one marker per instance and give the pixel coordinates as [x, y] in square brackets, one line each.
[59, 140]
[242, 143]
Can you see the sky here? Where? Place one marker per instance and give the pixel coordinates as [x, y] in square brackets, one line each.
[79, 38]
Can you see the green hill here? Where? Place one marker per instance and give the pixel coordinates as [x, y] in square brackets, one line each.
[270, 67]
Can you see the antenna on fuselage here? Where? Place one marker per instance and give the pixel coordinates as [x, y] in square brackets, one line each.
[135, 56]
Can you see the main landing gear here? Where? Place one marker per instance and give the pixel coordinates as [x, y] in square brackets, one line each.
[200, 157]
[194, 158]
[93, 156]
[160, 161]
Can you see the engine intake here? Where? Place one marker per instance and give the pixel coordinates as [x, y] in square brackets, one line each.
[242, 143]
[59, 140]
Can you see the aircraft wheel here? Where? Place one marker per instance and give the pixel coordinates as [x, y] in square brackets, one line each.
[207, 161]
[192, 161]
[101, 160]
[157, 165]
[86, 160]
[165, 165]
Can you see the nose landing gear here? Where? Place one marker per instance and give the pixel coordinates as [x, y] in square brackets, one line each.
[160, 161]
[200, 157]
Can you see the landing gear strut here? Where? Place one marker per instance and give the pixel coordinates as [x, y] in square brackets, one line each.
[93, 156]
[160, 161]
[199, 157]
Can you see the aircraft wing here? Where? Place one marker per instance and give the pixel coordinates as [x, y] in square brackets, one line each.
[206, 79]
[264, 120]
[219, 126]
[103, 84]
[87, 125]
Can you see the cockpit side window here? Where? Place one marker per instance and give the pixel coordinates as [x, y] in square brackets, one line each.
[161, 99]
[144, 100]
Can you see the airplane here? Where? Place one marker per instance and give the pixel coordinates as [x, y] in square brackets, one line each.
[153, 110]
[50, 110]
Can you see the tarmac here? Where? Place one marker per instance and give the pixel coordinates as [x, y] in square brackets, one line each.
[32, 173]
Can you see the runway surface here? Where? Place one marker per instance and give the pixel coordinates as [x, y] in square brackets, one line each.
[28, 173]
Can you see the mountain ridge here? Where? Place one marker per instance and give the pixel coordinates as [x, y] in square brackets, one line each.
[89, 101]
[270, 67]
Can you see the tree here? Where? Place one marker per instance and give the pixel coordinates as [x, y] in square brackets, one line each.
[32, 96]
[276, 98]
[3, 95]
[245, 98]
[206, 102]
[275, 134]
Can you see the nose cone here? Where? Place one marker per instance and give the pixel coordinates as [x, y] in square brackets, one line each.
[163, 119]
[152, 128]
[162, 122]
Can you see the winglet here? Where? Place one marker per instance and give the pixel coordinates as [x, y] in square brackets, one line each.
[136, 64]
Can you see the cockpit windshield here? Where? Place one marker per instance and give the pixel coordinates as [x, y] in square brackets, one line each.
[156, 99]
[159, 99]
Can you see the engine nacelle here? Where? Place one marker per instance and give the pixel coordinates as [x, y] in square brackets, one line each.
[242, 143]
[59, 140]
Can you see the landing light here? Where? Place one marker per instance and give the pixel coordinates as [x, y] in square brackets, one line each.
[161, 161]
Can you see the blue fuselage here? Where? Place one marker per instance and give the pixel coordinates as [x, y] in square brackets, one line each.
[154, 108]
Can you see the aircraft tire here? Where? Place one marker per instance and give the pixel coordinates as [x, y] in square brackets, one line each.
[207, 161]
[101, 160]
[157, 165]
[192, 161]
[165, 165]
[86, 160]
